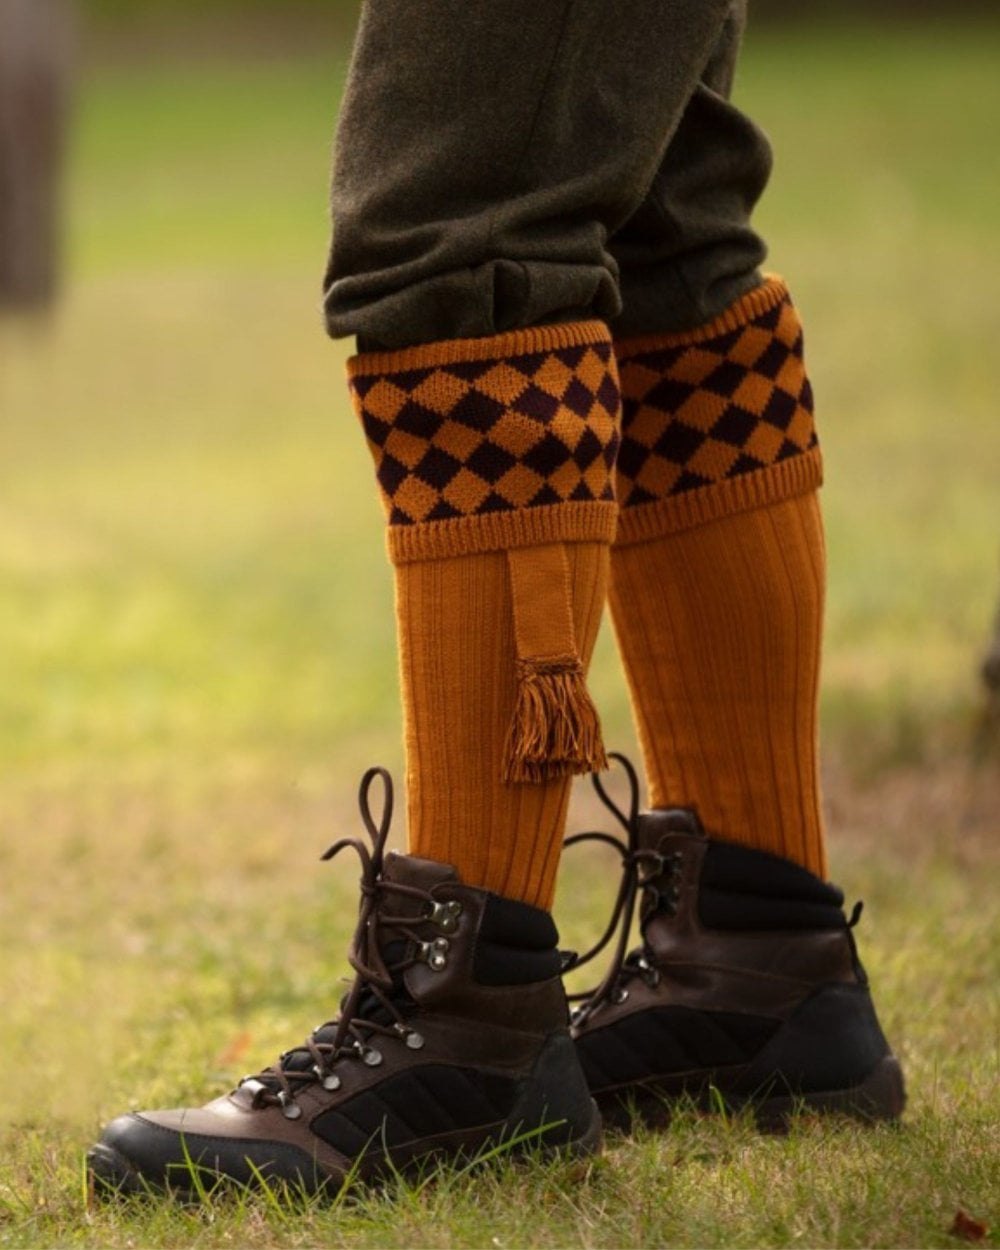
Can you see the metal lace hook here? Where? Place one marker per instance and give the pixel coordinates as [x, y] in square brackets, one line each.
[628, 822]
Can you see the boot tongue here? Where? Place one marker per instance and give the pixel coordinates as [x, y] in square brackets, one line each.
[412, 870]
[655, 825]
[419, 874]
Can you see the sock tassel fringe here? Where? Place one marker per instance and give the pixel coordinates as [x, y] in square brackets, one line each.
[555, 730]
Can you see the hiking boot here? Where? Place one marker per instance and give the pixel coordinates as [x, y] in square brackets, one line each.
[747, 982]
[452, 1040]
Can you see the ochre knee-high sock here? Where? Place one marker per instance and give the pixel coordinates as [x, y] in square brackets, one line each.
[717, 578]
[495, 459]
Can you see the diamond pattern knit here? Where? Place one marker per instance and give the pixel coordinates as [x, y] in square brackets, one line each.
[473, 427]
[729, 401]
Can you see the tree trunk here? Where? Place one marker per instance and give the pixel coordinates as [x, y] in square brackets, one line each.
[35, 42]
[991, 667]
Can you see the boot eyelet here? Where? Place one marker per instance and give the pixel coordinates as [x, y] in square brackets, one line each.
[410, 1036]
[329, 1080]
[647, 971]
[371, 1056]
[620, 996]
[434, 954]
[290, 1109]
[255, 1088]
[656, 865]
[445, 915]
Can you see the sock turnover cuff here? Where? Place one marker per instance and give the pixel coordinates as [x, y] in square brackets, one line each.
[717, 420]
[493, 443]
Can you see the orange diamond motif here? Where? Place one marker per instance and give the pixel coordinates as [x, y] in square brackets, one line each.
[731, 382]
[449, 442]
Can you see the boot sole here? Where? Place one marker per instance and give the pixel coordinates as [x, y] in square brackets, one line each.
[880, 1097]
[110, 1174]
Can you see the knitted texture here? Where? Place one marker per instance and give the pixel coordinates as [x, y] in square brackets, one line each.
[518, 432]
[716, 420]
[460, 683]
[717, 581]
[495, 461]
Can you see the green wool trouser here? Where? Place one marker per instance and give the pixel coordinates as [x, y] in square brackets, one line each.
[507, 163]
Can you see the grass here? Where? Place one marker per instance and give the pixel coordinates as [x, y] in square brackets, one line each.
[196, 625]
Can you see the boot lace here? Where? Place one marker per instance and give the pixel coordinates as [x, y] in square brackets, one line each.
[645, 874]
[375, 1005]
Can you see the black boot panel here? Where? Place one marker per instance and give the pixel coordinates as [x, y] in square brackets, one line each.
[832, 1042]
[556, 1095]
[729, 866]
[429, 1101]
[746, 889]
[516, 944]
[718, 909]
[667, 1040]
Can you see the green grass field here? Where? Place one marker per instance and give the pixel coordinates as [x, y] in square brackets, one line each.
[196, 635]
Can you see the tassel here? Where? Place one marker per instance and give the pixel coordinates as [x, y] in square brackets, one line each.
[555, 730]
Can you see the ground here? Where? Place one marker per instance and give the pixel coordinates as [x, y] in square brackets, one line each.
[197, 640]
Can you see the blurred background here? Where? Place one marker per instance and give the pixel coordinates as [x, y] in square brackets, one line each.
[196, 625]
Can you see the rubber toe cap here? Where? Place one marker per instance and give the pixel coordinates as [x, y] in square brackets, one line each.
[178, 1150]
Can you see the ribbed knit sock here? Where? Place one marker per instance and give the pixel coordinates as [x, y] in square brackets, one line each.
[717, 578]
[495, 459]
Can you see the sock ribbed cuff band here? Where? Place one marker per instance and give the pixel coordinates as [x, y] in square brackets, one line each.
[494, 443]
[717, 420]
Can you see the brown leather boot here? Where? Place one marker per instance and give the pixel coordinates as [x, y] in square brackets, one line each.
[452, 1039]
[747, 982]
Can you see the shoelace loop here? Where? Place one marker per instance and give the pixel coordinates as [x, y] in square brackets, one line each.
[641, 868]
[350, 1035]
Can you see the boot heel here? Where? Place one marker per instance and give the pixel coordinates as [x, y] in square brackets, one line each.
[591, 1140]
[880, 1096]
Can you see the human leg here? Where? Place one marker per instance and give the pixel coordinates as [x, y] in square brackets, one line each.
[475, 191]
[747, 979]
[718, 572]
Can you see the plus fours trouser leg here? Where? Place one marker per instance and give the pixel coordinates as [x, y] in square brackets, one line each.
[746, 987]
